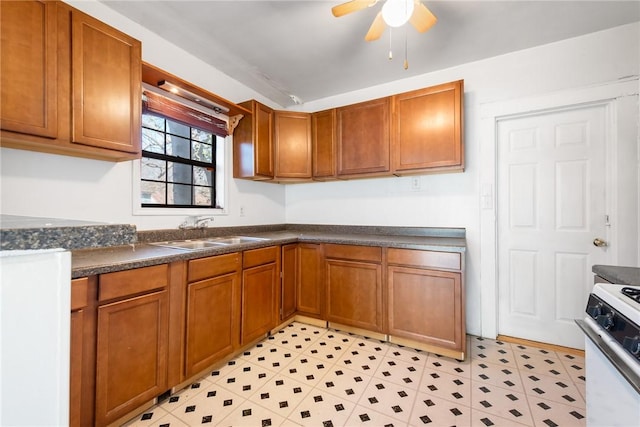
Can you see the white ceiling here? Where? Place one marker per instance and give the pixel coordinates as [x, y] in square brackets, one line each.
[297, 47]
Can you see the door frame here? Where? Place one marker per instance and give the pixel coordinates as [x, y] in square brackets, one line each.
[620, 99]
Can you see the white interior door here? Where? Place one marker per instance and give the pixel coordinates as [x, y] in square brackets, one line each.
[551, 206]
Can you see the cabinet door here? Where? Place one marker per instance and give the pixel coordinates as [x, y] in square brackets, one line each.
[426, 306]
[427, 129]
[106, 75]
[212, 319]
[83, 351]
[131, 354]
[259, 301]
[364, 138]
[323, 140]
[253, 143]
[290, 256]
[354, 294]
[264, 140]
[292, 145]
[310, 285]
[28, 61]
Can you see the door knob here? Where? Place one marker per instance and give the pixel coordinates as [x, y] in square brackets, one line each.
[599, 242]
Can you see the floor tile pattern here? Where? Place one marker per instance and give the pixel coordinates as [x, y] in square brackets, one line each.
[309, 376]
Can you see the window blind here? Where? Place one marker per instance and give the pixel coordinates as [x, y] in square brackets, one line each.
[153, 103]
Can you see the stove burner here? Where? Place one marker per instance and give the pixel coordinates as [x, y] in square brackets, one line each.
[633, 293]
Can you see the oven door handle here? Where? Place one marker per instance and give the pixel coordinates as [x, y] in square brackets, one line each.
[622, 367]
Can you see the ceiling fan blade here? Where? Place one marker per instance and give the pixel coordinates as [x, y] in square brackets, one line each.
[376, 29]
[351, 6]
[422, 18]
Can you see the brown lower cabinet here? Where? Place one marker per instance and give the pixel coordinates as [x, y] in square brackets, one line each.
[310, 281]
[132, 340]
[290, 278]
[135, 334]
[82, 351]
[426, 299]
[260, 292]
[354, 286]
[213, 310]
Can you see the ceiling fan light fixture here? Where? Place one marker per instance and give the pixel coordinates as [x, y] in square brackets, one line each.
[396, 13]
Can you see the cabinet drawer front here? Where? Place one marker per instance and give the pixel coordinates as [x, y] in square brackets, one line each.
[130, 282]
[79, 289]
[204, 268]
[359, 253]
[431, 259]
[254, 257]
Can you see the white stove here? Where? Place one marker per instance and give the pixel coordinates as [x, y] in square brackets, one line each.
[612, 355]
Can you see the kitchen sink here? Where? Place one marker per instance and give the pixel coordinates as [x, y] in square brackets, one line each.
[191, 245]
[212, 242]
[235, 240]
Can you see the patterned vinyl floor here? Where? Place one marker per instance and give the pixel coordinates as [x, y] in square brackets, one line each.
[310, 376]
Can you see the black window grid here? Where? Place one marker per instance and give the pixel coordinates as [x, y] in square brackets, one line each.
[185, 161]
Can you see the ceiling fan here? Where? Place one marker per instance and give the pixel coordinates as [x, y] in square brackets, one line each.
[394, 13]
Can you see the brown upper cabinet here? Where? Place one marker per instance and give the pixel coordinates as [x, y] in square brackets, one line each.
[416, 132]
[427, 129]
[253, 143]
[363, 138]
[70, 83]
[323, 140]
[292, 146]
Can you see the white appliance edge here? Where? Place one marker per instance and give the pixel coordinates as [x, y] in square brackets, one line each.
[35, 287]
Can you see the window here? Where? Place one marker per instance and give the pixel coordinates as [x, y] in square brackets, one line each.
[182, 150]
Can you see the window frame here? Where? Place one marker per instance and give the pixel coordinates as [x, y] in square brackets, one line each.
[222, 162]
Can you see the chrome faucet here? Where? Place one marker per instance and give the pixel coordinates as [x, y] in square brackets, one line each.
[193, 222]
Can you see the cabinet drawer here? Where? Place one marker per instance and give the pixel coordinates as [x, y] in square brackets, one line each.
[417, 258]
[254, 257]
[130, 282]
[204, 268]
[352, 252]
[79, 289]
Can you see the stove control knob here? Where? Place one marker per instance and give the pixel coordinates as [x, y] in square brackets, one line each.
[594, 310]
[632, 345]
[605, 320]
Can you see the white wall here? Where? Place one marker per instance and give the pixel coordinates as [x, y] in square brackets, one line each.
[452, 200]
[64, 187]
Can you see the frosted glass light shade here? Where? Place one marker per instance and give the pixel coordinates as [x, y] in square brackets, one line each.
[397, 12]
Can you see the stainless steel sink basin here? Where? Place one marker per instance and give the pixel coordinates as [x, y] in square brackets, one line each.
[212, 242]
[190, 245]
[235, 240]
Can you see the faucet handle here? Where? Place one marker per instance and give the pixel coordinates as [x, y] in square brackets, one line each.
[202, 222]
[192, 222]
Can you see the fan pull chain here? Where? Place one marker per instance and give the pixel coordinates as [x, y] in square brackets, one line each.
[406, 55]
[390, 52]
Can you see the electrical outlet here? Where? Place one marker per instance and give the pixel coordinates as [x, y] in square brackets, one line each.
[415, 183]
[241, 210]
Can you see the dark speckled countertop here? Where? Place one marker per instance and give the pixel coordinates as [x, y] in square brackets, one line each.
[618, 275]
[89, 262]
[25, 232]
